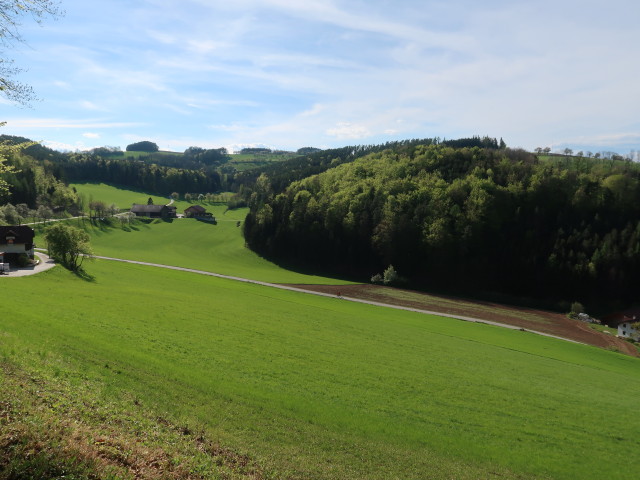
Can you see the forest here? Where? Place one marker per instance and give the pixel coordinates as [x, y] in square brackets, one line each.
[468, 215]
[469, 219]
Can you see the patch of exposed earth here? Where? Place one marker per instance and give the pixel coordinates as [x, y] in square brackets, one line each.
[527, 318]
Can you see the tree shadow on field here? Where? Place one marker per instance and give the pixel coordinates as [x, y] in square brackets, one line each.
[82, 274]
[205, 220]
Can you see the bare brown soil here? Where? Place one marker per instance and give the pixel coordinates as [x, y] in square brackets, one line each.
[527, 318]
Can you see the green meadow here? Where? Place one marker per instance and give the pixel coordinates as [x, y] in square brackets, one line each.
[315, 387]
[193, 244]
[217, 248]
[308, 386]
[123, 198]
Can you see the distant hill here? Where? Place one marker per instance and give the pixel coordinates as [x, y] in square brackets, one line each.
[470, 219]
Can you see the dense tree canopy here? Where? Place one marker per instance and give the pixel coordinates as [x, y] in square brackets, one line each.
[145, 176]
[144, 146]
[307, 150]
[208, 157]
[464, 218]
[28, 180]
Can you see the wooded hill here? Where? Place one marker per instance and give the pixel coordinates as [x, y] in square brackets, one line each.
[465, 219]
[36, 177]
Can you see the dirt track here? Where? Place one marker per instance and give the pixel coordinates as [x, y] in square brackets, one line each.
[537, 320]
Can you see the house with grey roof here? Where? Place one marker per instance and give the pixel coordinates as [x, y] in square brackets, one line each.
[154, 211]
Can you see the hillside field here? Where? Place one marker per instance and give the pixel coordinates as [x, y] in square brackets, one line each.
[189, 243]
[299, 385]
[122, 197]
[313, 387]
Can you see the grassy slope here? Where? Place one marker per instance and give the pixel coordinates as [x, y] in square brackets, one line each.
[323, 388]
[121, 197]
[189, 243]
[186, 242]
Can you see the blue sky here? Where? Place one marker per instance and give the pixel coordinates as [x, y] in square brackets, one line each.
[291, 73]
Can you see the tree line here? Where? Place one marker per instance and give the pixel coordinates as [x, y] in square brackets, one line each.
[467, 219]
[312, 161]
[149, 177]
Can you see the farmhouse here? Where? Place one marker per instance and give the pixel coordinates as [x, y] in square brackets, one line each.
[15, 241]
[154, 211]
[626, 328]
[197, 211]
[624, 321]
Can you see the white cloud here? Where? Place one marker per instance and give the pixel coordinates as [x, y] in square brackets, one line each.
[87, 105]
[67, 147]
[348, 131]
[277, 72]
[91, 135]
[608, 139]
[38, 123]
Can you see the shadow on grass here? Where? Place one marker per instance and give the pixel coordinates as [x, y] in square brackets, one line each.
[205, 220]
[82, 274]
[327, 270]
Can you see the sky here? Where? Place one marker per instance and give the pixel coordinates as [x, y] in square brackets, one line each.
[286, 74]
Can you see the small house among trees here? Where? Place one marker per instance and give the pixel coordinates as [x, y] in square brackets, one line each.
[154, 211]
[628, 323]
[16, 241]
[197, 211]
[629, 328]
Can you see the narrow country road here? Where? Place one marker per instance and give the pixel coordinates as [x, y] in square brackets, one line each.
[368, 302]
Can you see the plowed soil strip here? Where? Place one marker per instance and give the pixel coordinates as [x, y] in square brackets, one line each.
[538, 321]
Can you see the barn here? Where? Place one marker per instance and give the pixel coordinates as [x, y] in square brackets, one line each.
[154, 211]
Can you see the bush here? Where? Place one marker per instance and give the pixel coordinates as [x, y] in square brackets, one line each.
[377, 278]
[577, 307]
[23, 260]
[390, 276]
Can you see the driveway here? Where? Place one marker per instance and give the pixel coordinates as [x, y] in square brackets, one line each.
[45, 264]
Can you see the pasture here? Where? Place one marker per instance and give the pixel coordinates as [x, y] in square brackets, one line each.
[187, 243]
[314, 387]
[109, 194]
[247, 161]
[307, 386]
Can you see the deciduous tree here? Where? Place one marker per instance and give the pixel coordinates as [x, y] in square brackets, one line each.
[67, 244]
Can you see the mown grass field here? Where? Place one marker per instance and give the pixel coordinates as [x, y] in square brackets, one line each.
[192, 244]
[299, 385]
[109, 194]
[314, 387]
[218, 248]
[247, 161]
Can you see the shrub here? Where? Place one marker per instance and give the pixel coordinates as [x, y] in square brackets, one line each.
[390, 276]
[577, 307]
[377, 278]
[23, 260]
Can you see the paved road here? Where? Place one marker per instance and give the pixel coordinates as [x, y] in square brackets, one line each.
[357, 300]
[45, 264]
